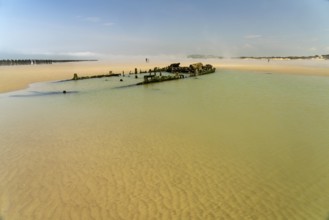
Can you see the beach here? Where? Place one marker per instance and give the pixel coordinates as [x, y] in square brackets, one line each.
[246, 142]
[157, 110]
[19, 77]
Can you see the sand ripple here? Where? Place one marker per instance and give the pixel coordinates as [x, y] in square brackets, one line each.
[107, 156]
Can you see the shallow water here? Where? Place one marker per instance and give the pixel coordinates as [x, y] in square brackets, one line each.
[229, 145]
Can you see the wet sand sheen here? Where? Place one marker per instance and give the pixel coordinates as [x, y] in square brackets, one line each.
[248, 146]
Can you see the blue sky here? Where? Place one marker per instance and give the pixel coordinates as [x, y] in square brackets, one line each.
[99, 28]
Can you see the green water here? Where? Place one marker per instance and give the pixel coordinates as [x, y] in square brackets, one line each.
[229, 145]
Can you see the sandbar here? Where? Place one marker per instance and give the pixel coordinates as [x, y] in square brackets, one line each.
[20, 77]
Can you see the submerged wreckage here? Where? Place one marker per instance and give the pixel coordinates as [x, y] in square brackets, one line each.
[174, 72]
[178, 72]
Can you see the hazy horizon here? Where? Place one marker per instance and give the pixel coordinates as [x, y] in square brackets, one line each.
[101, 29]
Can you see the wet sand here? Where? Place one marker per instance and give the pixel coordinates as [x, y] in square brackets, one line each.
[19, 77]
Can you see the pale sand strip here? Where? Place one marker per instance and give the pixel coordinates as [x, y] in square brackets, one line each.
[19, 77]
[317, 68]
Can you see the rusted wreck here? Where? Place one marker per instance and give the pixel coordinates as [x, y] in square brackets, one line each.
[76, 77]
[178, 72]
[193, 69]
[154, 78]
[174, 72]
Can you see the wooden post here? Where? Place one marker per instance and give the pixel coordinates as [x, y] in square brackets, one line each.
[75, 76]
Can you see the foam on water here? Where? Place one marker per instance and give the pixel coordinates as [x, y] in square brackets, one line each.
[230, 145]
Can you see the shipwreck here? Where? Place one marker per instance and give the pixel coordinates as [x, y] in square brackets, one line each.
[172, 72]
[177, 72]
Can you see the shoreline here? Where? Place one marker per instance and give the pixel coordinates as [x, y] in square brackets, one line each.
[14, 78]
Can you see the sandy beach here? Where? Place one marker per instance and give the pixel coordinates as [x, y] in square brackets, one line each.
[237, 131]
[19, 77]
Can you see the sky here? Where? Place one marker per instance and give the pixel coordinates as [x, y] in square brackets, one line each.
[102, 28]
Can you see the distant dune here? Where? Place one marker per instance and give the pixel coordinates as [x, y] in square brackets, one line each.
[200, 56]
[315, 57]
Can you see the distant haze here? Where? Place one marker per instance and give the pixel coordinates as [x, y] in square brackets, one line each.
[100, 29]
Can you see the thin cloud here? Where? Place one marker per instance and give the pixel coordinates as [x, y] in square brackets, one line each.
[96, 20]
[247, 46]
[253, 36]
[43, 54]
[80, 54]
[93, 19]
[313, 49]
